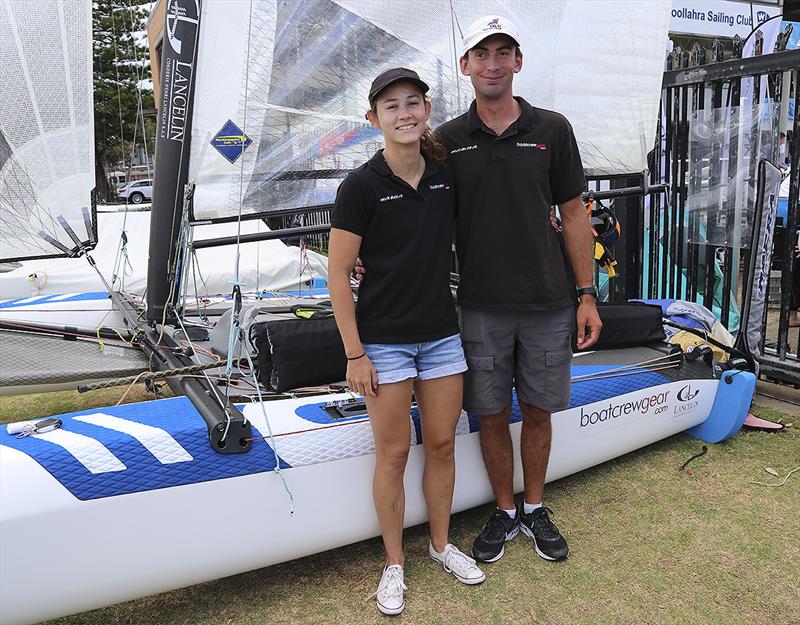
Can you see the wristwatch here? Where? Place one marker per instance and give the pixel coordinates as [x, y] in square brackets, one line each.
[588, 290]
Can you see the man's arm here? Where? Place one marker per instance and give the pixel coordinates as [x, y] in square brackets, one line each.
[580, 245]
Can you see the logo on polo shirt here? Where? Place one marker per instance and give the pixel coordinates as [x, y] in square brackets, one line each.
[537, 146]
[391, 197]
[439, 186]
[464, 149]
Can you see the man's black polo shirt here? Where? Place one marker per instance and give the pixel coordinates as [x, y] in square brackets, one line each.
[406, 235]
[510, 257]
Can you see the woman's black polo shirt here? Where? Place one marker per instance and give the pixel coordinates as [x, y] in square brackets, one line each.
[510, 258]
[406, 235]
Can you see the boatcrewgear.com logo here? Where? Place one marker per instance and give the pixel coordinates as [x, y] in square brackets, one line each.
[614, 411]
[538, 146]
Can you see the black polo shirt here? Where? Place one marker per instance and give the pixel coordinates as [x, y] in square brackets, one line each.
[510, 258]
[406, 235]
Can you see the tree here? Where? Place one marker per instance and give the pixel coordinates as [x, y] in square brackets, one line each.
[121, 79]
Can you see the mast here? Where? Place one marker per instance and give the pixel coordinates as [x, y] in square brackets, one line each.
[181, 30]
[228, 431]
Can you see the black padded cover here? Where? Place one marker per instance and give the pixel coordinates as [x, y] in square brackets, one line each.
[294, 353]
[628, 324]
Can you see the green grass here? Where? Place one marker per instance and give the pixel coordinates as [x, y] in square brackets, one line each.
[22, 407]
[650, 544]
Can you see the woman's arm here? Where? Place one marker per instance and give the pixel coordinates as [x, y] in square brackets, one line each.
[342, 254]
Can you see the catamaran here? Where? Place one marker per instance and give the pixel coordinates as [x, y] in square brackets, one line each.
[261, 114]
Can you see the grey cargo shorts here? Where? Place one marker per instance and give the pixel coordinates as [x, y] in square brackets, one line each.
[531, 351]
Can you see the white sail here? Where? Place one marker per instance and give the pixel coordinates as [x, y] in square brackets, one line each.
[46, 126]
[292, 76]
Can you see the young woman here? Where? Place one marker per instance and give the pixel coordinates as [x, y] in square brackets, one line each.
[396, 213]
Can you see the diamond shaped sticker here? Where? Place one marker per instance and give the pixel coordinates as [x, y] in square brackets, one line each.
[231, 141]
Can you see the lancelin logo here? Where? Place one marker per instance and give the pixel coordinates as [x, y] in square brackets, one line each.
[176, 14]
[687, 393]
[439, 186]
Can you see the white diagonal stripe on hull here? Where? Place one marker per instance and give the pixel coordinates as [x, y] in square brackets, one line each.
[89, 452]
[158, 442]
[58, 298]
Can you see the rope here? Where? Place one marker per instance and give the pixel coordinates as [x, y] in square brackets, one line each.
[272, 442]
[781, 483]
[149, 375]
[236, 304]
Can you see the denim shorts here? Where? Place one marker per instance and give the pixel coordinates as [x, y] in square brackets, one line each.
[426, 361]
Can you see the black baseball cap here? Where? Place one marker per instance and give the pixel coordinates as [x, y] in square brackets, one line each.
[391, 76]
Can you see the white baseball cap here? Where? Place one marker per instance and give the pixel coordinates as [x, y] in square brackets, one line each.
[487, 26]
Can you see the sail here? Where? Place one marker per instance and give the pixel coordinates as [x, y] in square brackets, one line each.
[46, 128]
[284, 85]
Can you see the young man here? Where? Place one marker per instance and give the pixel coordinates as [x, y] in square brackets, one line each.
[511, 163]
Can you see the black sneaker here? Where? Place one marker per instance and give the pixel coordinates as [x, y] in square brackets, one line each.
[489, 546]
[547, 540]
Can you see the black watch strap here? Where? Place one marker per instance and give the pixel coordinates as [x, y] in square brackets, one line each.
[588, 290]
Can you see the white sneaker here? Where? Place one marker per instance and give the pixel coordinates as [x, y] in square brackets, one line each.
[389, 595]
[459, 564]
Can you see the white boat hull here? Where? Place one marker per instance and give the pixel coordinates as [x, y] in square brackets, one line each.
[116, 547]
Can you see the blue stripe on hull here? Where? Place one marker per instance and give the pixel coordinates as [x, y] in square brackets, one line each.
[44, 299]
[179, 418]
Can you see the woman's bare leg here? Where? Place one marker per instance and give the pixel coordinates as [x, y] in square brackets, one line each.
[391, 428]
[439, 402]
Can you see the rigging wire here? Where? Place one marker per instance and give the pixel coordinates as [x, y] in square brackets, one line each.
[119, 93]
[236, 333]
[136, 71]
[453, 25]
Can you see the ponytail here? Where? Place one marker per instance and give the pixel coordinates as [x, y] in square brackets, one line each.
[431, 147]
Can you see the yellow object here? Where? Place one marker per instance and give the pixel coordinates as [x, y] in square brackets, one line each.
[604, 259]
[687, 340]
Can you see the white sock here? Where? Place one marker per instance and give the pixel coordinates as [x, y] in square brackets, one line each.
[511, 513]
[527, 508]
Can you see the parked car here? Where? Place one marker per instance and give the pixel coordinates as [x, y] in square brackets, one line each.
[137, 191]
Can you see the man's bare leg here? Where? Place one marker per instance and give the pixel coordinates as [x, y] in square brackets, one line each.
[498, 456]
[537, 434]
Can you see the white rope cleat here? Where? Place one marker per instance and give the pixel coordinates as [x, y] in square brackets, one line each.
[463, 568]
